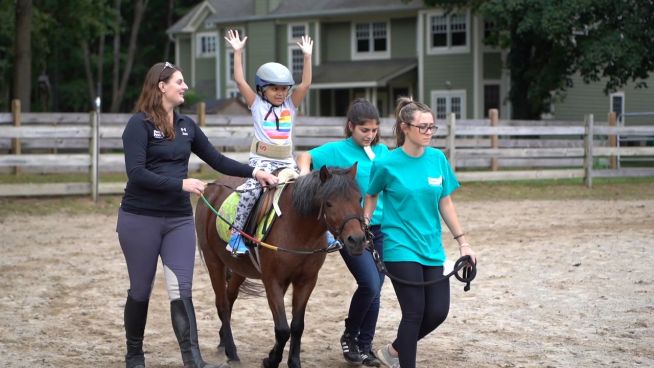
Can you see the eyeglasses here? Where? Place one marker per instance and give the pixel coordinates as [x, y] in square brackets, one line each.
[424, 128]
[166, 65]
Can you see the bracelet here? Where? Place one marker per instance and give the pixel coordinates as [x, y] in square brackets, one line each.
[458, 236]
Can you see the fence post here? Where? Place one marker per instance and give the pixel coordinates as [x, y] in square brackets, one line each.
[613, 139]
[588, 151]
[94, 152]
[15, 142]
[492, 114]
[451, 134]
[202, 113]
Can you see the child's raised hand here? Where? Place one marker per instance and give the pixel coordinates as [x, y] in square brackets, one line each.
[306, 45]
[233, 39]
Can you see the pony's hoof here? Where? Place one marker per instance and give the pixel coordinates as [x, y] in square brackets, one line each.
[266, 364]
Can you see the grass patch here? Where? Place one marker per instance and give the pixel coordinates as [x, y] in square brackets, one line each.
[564, 189]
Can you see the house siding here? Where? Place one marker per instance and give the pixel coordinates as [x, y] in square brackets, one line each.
[455, 69]
[492, 65]
[205, 81]
[335, 42]
[261, 47]
[403, 38]
[585, 99]
[185, 57]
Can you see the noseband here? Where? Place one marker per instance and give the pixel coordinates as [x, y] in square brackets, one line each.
[336, 232]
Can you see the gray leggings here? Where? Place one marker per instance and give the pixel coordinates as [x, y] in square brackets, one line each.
[144, 239]
[250, 190]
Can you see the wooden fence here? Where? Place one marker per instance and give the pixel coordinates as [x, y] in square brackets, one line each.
[478, 149]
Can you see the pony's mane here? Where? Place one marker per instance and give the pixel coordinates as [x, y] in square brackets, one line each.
[309, 191]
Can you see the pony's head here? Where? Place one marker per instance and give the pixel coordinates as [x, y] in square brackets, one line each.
[332, 194]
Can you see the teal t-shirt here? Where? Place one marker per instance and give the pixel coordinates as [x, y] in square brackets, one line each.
[345, 153]
[412, 188]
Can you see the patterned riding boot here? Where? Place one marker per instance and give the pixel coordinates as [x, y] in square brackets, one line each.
[182, 315]
[135, 317]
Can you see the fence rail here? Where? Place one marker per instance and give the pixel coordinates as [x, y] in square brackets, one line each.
[478, 149]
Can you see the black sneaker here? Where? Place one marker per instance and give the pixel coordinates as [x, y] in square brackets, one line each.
[350, 349]
[369, 359]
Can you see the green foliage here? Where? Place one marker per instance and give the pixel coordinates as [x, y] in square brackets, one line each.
[550, 40]
[59, 27]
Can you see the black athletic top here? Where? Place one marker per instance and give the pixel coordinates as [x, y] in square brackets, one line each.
[156, 166]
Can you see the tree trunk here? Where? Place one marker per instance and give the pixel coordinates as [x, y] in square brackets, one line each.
[98, 91]
[139, 10]
[115, 74]
[87, 70]
[169, 23]
[524, 104]
[23, 60]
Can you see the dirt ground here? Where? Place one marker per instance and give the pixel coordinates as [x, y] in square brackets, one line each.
[560, 284]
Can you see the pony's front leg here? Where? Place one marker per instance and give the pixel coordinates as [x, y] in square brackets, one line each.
[301, 294]
[275, 295]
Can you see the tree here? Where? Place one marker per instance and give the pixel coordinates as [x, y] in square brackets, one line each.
[549, 41]
[23, 54]
[139, 10]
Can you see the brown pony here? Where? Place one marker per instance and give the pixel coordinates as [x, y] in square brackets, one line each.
[328, 199]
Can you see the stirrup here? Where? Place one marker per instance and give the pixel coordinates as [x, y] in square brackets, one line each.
[236, 245]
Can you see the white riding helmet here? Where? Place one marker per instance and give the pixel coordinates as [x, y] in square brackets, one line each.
[273, 73]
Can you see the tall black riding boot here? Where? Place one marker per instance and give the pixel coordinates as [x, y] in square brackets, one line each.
[182, 315]
[136, 314]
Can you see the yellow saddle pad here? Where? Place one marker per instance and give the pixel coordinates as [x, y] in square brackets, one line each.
[228, 213]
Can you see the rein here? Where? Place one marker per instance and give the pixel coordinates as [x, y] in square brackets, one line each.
[262, 243]
[464, 263]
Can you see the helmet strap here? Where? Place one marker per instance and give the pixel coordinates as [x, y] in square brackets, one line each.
[272, 110]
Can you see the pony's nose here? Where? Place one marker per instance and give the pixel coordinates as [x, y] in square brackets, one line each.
[356, 243]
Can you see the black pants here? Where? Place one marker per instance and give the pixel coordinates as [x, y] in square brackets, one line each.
[423, 307]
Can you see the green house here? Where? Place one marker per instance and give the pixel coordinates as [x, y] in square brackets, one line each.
[376, 49]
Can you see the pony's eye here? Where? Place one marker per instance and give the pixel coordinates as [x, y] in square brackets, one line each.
[328, 203]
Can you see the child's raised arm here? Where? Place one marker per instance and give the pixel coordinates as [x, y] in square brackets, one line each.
[238, 45]
[306, 45]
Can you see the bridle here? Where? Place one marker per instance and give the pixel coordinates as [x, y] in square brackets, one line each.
[336, 232]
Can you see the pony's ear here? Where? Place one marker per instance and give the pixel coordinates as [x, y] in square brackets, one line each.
[324, 174]
[352, 171]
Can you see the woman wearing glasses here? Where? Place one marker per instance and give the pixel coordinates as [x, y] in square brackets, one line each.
[155, 218]
[416, 181]
[361, 145]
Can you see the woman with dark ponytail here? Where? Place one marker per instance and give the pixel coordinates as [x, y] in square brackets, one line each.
[416, 181]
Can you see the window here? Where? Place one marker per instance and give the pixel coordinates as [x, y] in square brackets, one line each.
[295, 55]
[446, 102]
[296, 60]
[205, 45]
[617, 105]
[370, 40]
[296, 31]
[448, 33]
[491, 97]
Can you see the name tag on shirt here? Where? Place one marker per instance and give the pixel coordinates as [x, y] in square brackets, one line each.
[369, 152]
[436, 182]
[157, 134]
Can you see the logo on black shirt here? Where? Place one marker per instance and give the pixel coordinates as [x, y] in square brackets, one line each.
[184, 132]
[157, 134]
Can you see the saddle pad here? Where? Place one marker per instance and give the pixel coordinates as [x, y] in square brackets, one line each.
[227, 211]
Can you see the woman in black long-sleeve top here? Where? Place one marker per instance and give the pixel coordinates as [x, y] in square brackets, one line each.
[155, 217]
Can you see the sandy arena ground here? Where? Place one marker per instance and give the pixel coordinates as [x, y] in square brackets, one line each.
[560, 284]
